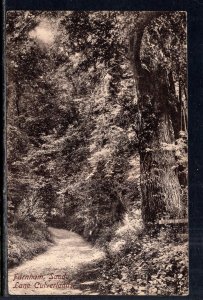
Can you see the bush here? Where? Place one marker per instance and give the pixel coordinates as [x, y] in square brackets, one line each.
[141, 264]
[25, 240]
[36, 231]
[151, 266]
[126, 235]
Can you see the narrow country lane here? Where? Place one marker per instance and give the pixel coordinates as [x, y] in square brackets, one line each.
[55, 271]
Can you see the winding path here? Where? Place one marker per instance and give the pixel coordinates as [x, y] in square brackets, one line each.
[55, 271]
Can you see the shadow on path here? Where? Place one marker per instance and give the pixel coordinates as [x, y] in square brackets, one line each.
[66, 268]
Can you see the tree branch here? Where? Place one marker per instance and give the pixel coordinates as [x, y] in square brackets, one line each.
[136, 39]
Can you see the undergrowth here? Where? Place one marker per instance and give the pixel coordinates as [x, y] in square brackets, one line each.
[144, 263]
[27, 240]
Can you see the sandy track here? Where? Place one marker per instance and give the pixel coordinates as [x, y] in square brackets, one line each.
[53, 272]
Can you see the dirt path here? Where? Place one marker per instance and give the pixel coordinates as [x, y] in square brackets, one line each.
[54, 272]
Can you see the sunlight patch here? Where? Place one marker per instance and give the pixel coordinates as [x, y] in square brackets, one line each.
[44, 33]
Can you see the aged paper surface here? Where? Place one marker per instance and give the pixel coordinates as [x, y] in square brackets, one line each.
[97, 153]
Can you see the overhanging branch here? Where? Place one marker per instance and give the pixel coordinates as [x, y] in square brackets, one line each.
[136, 35]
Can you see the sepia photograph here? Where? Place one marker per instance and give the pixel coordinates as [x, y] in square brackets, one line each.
[97, 152]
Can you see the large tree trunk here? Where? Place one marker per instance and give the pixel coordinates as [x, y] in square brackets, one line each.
[159, 179]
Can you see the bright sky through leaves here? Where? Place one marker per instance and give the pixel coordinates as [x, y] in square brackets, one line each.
[44, 32]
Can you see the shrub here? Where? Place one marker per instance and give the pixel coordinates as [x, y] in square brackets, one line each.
[26, 240]
[144, 264]
[151, 268]
[126, 235]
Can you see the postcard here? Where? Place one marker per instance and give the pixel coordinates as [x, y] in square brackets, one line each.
[97, 126]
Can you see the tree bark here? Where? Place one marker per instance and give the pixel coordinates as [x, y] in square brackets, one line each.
[159, 179]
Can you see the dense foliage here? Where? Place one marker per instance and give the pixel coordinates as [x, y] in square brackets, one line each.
[153, 267]
[74, 134]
